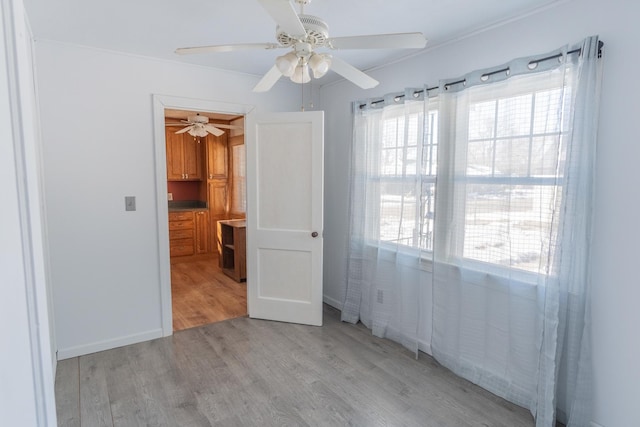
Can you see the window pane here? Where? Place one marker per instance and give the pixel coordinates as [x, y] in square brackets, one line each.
[397, 212]
[391, 132]
[411, 161]
[506, 224]
[389, 218]
[547, 105]
[480, 158]
[544, 156]
[482, 118]
[389, 161]
[512, 157]
[430, 153]
[433, 161]
[514, 116]
[428, 214]
[406, 157]
[413, 130]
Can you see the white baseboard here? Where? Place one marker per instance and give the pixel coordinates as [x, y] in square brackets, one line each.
[81, 350]
[332, 302]
[422, 345]
[425, 347]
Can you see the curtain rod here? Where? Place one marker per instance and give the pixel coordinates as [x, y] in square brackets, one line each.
[491, 73]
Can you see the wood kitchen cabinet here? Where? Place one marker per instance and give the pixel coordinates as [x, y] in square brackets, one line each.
[184, 157]
[217, 167]
[217, 198]
[202, 235]
[181, 233]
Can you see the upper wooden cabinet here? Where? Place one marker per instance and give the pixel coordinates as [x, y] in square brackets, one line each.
[217, 167]
[184, 157]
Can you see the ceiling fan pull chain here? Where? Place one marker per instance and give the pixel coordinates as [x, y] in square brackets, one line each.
[302, 97]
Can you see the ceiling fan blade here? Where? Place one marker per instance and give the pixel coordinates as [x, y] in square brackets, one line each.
[186, 129]
[352, 74]
[221, 126]
[174, 124]
[380, 41]
[214, 130]
[268, 80]
[283, 12]
[225, 48]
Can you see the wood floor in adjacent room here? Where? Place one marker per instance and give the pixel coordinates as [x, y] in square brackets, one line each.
[247, 372]
[201, 293]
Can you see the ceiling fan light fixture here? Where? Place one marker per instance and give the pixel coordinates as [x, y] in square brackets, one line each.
[320, 64]
[197, 131]
[287, 63]
[301, 74]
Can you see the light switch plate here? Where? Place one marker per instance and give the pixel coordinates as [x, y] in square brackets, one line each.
[170, 196]
[129, 203]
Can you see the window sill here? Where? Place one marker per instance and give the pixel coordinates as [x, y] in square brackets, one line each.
[405, 255]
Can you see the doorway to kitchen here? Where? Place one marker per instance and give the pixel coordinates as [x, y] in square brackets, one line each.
[204, 193]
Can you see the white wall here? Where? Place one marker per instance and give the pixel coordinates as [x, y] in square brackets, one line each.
[97, 131]
[26, 369]
[615, 279]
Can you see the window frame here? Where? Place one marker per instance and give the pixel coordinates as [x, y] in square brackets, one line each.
[234, 142]
[373, 238]
[555, 181]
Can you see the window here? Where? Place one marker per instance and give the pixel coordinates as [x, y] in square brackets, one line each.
[405, 178]
[514, 152]
[506, 175]
[238, 180]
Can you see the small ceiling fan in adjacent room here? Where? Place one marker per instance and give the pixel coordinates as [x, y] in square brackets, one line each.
[304, 35]
[198, 125]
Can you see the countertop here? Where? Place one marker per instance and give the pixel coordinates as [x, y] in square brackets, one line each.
[187, 209]
[187, 205]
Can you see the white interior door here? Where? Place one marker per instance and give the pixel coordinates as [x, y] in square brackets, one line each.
[284, 216]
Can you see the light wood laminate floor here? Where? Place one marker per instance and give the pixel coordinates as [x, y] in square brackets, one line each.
[247, 372]
[201, 293]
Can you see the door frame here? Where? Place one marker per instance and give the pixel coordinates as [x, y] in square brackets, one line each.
[160, 103]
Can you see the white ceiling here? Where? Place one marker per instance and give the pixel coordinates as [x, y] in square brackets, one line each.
[155, 28]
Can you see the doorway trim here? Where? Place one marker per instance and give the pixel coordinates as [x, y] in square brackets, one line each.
[160, 103]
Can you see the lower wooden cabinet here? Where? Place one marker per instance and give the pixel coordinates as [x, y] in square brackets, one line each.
[202, 232]
[189, 233]
[181, 233]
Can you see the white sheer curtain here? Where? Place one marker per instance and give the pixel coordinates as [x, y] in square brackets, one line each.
[390, 220]
[513, 212]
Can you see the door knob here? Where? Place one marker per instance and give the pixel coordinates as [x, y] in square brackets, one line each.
[314, 234]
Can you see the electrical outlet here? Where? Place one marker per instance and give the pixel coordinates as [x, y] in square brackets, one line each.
[170, 196]
[129, 203]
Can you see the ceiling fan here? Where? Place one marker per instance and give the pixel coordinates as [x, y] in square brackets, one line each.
[303, 34]
[198, 125]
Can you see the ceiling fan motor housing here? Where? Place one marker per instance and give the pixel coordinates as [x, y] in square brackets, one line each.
[198, 119]
[317, 32]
